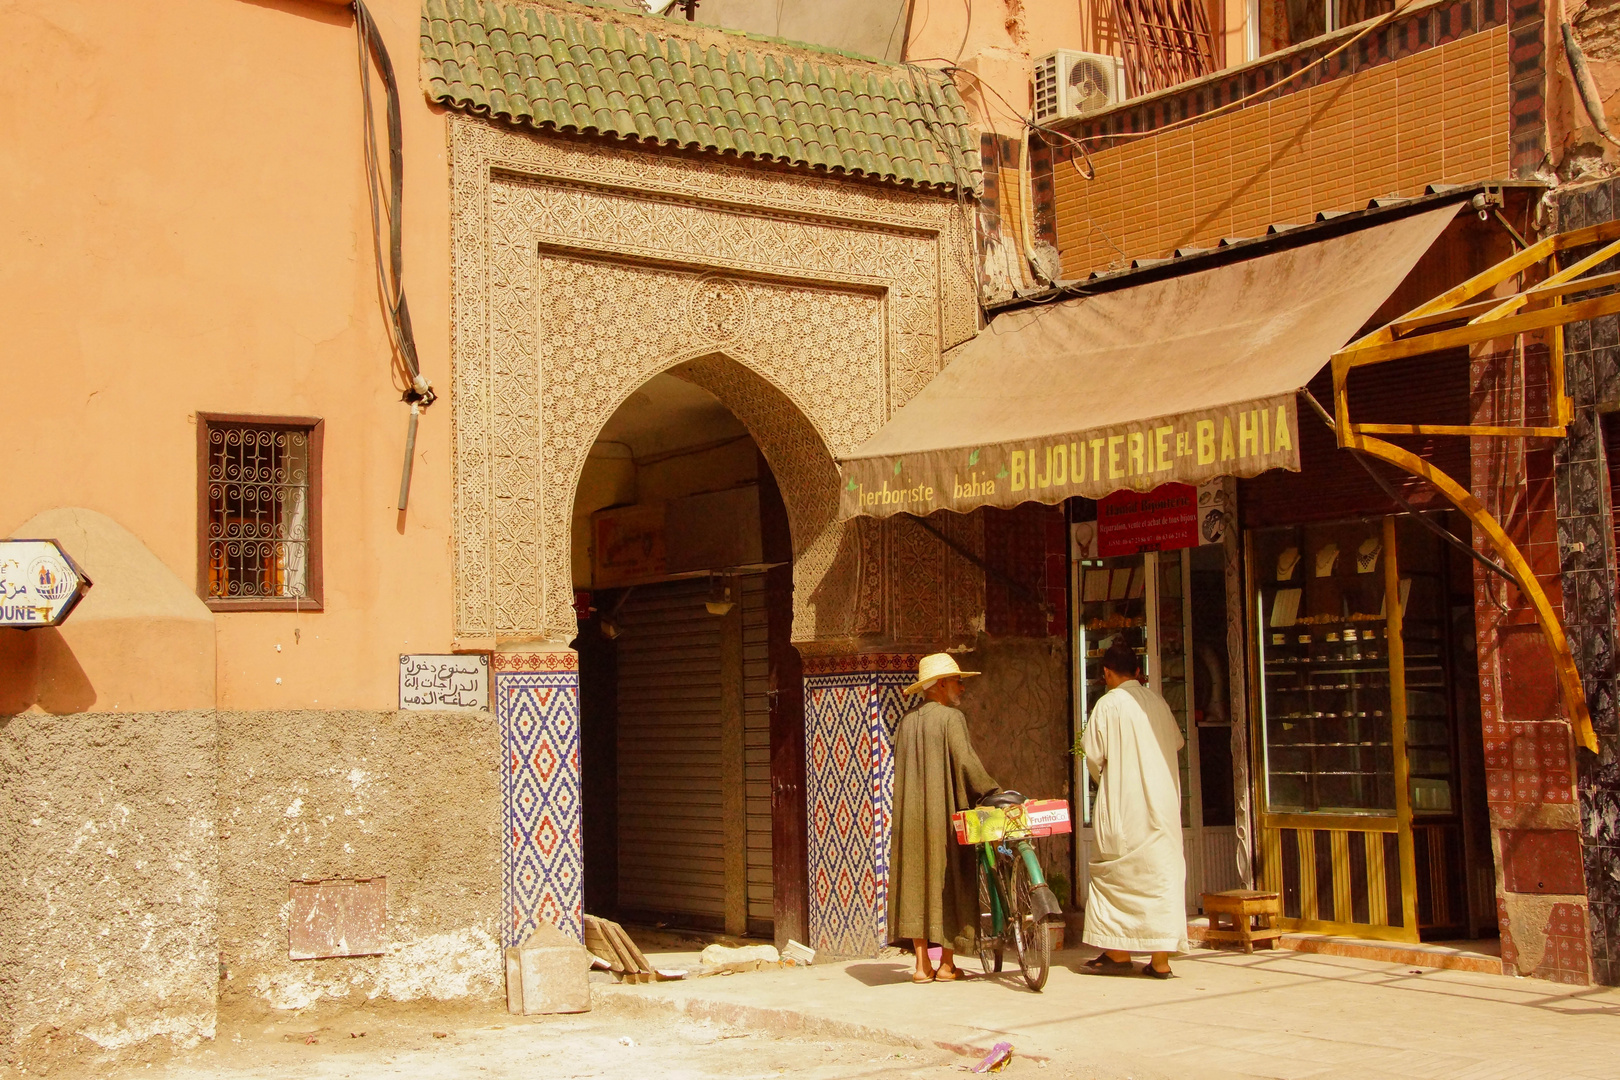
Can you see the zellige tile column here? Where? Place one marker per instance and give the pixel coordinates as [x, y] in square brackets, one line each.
[537, 707]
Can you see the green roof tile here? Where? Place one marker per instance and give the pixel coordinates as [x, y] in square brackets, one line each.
[629, 76]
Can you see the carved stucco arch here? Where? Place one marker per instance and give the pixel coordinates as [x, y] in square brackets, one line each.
[812, 308]
[793, 448]
[795, 451]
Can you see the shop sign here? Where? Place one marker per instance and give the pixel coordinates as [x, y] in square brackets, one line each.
[39, 584]
[1164, 519]
[444, 683]
[1170, 517]
[629, 545]
[1242, 439]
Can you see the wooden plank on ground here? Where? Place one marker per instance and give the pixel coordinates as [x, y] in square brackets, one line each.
[601, 943]
[636, 960]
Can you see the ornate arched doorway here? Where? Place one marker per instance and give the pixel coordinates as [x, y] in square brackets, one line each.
[691, 695]
[810, 307]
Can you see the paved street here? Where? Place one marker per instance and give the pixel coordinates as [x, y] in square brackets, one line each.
[1284, 1015]
[615, 1041]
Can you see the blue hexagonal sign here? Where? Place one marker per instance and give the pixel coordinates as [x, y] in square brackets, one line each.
[39, 584]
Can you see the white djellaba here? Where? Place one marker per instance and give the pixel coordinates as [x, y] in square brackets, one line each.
[1135, 902]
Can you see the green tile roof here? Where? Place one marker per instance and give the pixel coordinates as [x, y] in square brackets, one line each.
[630, 76]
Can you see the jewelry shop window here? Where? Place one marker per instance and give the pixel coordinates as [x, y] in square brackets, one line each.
[1328, 721]
[259, 512]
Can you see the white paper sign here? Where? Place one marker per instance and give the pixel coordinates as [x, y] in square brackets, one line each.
[444, 683]
[39, 584]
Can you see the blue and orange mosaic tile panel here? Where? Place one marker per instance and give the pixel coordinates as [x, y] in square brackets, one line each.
[537, 707]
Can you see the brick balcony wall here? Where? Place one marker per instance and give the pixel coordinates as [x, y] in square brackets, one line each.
[1451, 94]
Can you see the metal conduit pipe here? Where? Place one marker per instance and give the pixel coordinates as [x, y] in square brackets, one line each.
[1584, 83]
[390, 271]
[410, 455]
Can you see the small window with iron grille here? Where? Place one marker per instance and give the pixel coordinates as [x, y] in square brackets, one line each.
[259, 509]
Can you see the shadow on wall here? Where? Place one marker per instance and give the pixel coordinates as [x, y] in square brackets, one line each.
[140, 641]
[37, 667]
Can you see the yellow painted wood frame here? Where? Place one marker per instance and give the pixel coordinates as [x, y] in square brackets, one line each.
[1423, 330]
[1344, 830]
[1395, 612]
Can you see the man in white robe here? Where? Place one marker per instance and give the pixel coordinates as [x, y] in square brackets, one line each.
[1135, 902]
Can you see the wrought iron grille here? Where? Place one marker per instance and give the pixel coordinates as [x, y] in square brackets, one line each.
[258, 529]
[1165, 42]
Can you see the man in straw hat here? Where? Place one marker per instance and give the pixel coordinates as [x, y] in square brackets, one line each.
[936, 773]
[1135, 902]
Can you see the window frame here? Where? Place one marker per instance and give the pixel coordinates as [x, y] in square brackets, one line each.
[1330, 23]
[315, 600]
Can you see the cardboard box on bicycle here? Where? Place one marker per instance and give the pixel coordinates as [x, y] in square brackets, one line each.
[1037, 817]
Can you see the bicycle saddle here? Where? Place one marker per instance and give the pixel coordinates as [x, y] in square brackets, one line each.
[1003, 799]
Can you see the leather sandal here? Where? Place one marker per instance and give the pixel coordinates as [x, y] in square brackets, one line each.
[1154, 973]
[919, 977]
[1103, 964]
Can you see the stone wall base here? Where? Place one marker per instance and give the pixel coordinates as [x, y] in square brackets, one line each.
[145, 864]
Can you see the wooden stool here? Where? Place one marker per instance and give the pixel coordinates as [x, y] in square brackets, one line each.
[1237, 907]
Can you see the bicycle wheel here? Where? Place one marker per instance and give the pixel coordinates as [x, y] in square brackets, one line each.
[990, 947]
[1032, 936]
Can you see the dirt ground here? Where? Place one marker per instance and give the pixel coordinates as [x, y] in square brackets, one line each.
[439, 1042]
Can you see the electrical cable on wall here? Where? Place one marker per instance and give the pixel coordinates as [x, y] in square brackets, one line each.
[1591, 100]
[419, 394]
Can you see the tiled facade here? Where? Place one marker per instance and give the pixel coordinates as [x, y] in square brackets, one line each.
[537, 707]
[1528, 745]
[1588, 561]
[1449, 94]
[1285, 160]
[853, 705]
[1026, 593]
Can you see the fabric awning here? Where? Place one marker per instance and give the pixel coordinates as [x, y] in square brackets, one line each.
[1183, 379]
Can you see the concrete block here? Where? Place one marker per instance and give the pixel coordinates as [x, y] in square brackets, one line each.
[549, 973]
[726, 959]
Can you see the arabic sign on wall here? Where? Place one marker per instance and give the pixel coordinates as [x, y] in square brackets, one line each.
[444, 683]
[629, 545]
[39, 584]
[1243, 439]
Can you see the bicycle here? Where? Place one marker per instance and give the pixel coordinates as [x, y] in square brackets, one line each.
[1015, 903]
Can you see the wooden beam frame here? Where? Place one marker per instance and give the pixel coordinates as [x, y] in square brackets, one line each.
[1432, 327]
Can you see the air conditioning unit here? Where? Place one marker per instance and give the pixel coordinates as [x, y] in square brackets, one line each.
[1072, 83]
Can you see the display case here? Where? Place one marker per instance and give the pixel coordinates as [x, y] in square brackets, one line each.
[1111, 602]
[1357, 647]
[1327, 722]
[1430, 732]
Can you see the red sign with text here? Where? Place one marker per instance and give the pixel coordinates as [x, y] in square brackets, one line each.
[1164, 519]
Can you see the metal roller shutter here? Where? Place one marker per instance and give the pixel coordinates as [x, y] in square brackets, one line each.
[671, 828]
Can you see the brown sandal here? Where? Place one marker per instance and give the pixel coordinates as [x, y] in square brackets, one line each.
[1103, 964]
[956, 975]
[919, 977]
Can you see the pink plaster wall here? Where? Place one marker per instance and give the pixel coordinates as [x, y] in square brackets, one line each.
[997, 42]
[186, 228]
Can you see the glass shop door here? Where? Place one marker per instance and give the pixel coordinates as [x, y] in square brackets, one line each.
[1144, 599]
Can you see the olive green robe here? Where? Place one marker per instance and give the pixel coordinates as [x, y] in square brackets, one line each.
[932, 892]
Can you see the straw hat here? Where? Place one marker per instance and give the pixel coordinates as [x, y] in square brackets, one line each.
[935, 667]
